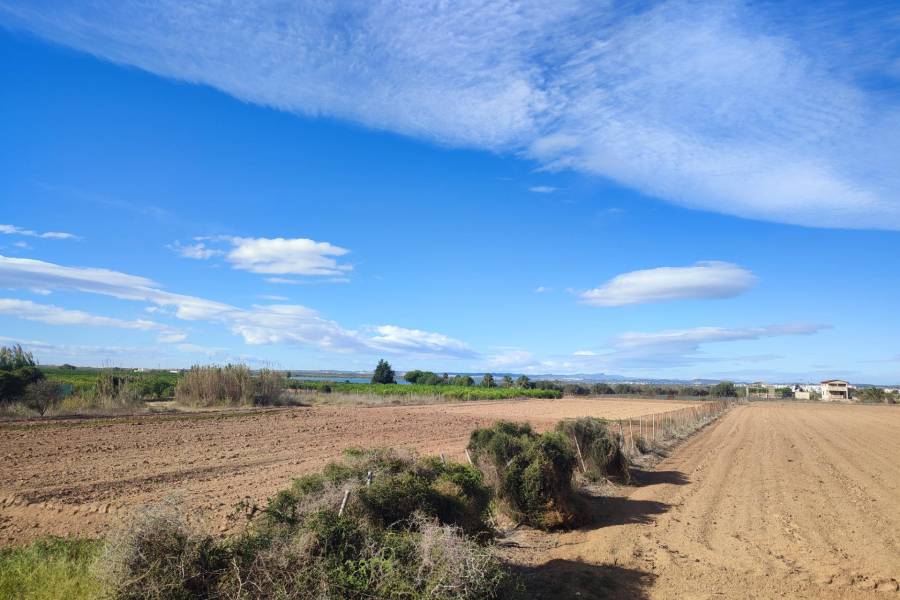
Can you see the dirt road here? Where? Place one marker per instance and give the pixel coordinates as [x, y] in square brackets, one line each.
[771, 501]
[75, 477]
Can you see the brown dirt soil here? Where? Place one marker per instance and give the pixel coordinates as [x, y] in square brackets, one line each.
[770, 501]
[77, 476]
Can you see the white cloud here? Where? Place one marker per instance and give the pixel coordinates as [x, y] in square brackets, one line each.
[725, 106]
[712, 279]
[280, 256]
[677, 347]
[542, 289]
[272, 297]
[271, 256]
[197, 251]
[511, 358]
[692, 338]
[289, 281]
[415, 341]
[542, 189]
[259, 324]
[49, 235]
[55, 315]
[650, 351]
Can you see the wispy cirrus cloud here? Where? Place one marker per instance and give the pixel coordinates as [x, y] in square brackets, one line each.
[761, 110]
[47, 235]
[542, 189]
[56, 315]
[259, 324]
[197, 250]
[704, 280]
[653, 350]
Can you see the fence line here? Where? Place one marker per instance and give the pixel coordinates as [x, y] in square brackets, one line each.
[667, 425]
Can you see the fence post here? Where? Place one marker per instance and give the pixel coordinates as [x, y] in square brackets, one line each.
[344, 502]
[580, 456]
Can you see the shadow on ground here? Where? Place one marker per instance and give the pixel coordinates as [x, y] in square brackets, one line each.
[642, 478]
[606, 511]
[560, 579]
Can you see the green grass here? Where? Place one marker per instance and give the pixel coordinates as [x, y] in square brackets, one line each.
[50, 568]
[455, 392]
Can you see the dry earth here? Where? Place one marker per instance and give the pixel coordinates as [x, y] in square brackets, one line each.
[67, 477]
[771, 501]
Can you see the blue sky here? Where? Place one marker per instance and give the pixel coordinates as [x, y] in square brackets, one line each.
[662, 190]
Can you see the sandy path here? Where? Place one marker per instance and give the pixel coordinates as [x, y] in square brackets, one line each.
[75, 477]
[772, 501]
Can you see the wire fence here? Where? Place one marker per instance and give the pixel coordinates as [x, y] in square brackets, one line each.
[638, 433]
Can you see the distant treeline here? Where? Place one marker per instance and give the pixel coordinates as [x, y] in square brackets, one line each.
[724, 389]
[457, 392]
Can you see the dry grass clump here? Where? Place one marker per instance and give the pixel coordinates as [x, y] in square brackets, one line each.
[532, 473]
[404, 534]
[601, 448]
[231, 385]
[161, 556]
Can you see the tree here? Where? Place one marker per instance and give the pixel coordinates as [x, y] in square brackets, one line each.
[423, 377]
[488, 381]
[462, 380]
[18, 369]
[507, 381]
[383, 373]
[413, 376]
[724, 389]
[522, 381]
[601, 388]
[43, 395]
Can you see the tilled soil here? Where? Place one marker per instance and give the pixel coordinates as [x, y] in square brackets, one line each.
[76, 477]
[771, 501]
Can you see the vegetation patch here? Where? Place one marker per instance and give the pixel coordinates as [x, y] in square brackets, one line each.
[532, 473]
[231, 385]
[377, 524]
[50, 569]
[449, 391]
[599, 448]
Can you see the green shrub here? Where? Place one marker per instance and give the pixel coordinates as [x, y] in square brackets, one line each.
[532, 473]
[601, 448]
[402, 536]
[400, 486]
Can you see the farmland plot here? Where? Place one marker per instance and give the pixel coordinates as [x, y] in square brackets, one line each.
[77, 476]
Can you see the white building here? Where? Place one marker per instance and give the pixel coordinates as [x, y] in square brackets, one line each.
[799, 392]
[835, 390]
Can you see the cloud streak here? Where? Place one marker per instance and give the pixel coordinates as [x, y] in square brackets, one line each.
[47, 235]
[744, 109]
[257, 325]
[55, 315]
[704, 280]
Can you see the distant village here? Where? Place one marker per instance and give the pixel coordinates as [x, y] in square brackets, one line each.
[830, 390]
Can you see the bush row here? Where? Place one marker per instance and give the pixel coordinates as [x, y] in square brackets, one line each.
[376, 524]
[454, 392]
